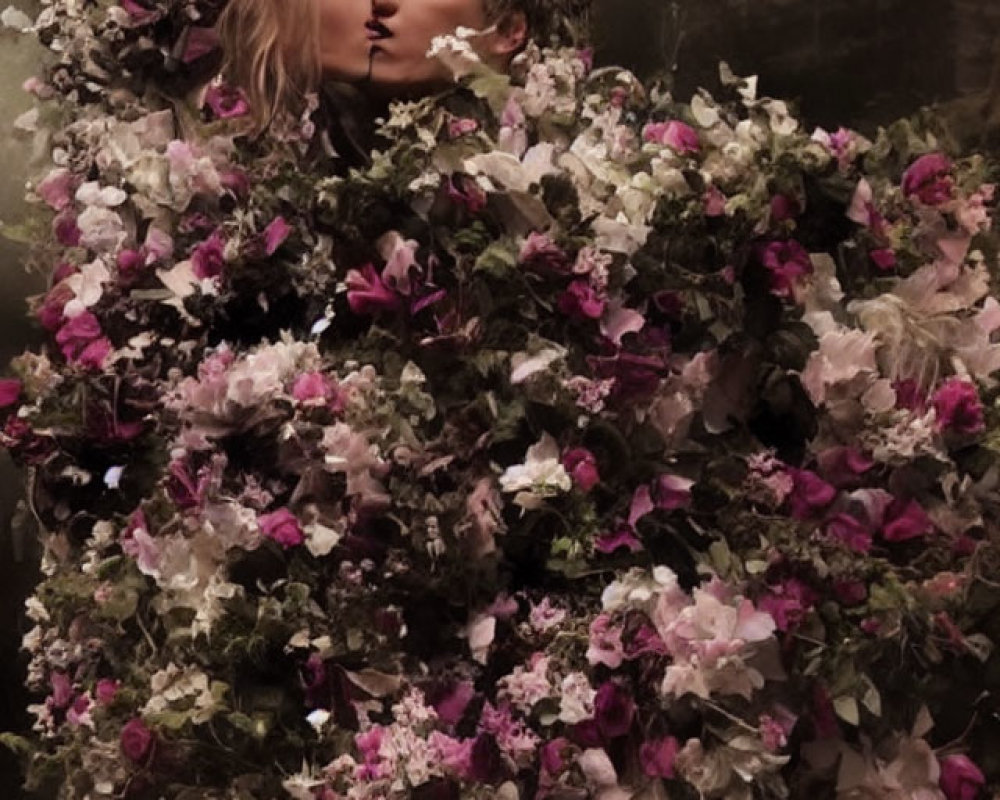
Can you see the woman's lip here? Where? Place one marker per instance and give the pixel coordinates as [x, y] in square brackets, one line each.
[377, 30]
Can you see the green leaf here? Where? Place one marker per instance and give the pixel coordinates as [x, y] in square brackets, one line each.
[16, 744]
[847, 710]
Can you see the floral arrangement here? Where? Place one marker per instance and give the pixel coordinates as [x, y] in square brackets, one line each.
[584, 444]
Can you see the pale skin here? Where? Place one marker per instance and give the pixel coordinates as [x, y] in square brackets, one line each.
[385, 42]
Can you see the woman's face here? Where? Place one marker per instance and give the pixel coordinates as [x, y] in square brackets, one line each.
[401, 32]
[344, 45]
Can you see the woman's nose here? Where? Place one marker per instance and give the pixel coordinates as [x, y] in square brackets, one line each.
[384, 8]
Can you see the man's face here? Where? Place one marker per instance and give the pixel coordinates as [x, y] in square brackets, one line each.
[344, 45]
[401, 32]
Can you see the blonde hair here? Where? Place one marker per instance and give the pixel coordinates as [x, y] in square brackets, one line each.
[271, 52]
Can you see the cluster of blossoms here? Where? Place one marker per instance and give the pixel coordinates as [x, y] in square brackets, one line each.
[582, 444]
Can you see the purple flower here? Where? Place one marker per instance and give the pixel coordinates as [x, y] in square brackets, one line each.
[678, 136]
[283, 527]
[81, 341]
[552, 756]
[657, 757]
[960, 778]
[137, 741]
[614, 710]
[581, 465]
[581, 301]
[66, 231]
[226, 101]
[958, 407]
[787, 262]
[367, 293]
[929, 179]
[906, 520]
[208, 259]
[487, 762]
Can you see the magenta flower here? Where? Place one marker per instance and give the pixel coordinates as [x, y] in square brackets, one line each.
[275, 234]
[226, 102]
[657, 757]
[671, 492]
[621, 536]
[678, 136]
[883, 258]
[138, 13]
[788, 603]
[368, 294]
[10, 391]
[910, 396]
[66, 231]
[810, 494]
[851, 531]
[850, 593]
[906, 520]
[783, 208]
[842, 466]
[81, 341]
[614, 710]
[581, 465]
[57, 188]
[581, 301]
[283, 527]
[313, 388]
[960, 778]
[787, 262]
[552, 755]
[137, 741]
[464, 192]
[208, 258]
[105, 691]
[460, 126]
[929, 179]
[958, 407]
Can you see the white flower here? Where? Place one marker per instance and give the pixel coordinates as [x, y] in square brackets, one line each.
[576, 703]
[541, 475]
[87, 286]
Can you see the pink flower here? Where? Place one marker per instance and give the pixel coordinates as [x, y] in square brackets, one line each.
[66, 231]
[137, 741]
[605, 643]
[10, 391]
[207, 259]
[909, 395]
[62, 689]
[958, 407]
[657, 757]
[787, 262]
[714, 202]
[368, 294]
[810, 493]
[906, 520]
[283, 527]
[929, 179]
[960, 778]
[105, 691]
[581, 465]
[581, 301]
[541, 254]
[553, 755]
[671, 492]
[80, 333]
[313, 389]
[56, 189]
[678, 136]
[226, 102]
[614, 710]
[460, 126]
[275, 234]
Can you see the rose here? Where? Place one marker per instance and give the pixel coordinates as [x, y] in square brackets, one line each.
[137, 741]
[283, 527]
[960, 778]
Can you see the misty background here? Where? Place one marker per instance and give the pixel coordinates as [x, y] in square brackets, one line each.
[859, 63]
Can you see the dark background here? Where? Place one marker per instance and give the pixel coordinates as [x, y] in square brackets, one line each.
[859, 63]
